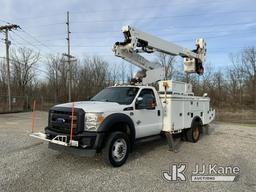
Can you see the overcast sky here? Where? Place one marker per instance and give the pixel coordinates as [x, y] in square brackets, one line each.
[227, 26]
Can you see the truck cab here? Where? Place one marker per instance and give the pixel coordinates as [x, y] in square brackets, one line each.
[133, 111]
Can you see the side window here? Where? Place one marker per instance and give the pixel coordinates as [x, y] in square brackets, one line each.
[148, 99]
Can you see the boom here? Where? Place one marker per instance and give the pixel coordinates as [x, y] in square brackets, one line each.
[136, 42]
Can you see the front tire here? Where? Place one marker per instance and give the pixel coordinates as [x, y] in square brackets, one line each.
[117, 149]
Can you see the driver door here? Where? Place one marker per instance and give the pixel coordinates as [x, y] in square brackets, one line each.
[147, 117]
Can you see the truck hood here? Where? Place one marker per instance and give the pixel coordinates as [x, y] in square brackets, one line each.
[94, 106]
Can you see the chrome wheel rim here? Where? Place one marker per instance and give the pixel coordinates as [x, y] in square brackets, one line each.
[119, 149]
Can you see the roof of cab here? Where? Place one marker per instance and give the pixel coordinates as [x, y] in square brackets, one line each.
[138, 86]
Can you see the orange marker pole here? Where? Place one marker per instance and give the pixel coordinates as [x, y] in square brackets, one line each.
[33, 116]
[72, 123]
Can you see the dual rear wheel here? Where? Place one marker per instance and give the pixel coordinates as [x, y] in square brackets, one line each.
[193, 133]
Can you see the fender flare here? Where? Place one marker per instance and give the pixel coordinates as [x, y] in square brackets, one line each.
[116, 118]
[197, 119]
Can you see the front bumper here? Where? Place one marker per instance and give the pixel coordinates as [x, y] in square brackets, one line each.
[86, 139]
[83, 144]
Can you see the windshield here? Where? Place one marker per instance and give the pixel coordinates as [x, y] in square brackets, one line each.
[121, 95]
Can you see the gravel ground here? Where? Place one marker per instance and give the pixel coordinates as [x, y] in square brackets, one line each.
[26, 164]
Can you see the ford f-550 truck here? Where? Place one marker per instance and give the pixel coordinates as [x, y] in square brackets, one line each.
[119, 116]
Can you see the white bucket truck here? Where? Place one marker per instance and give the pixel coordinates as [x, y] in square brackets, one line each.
[122, 115]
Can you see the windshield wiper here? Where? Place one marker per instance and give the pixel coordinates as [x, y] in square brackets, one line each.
[103, 100]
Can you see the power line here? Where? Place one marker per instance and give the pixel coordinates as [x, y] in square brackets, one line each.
[36, 46]
[34, 67]
[4, 21]
[14, 41]
[46, 25]
[31, 44]
[51, 34]
[40, 51]
[33, 37]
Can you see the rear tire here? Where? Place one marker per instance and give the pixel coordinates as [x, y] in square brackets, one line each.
[193, 133]
[117, 149]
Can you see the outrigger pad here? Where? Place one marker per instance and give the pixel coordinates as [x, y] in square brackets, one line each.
[171, 143]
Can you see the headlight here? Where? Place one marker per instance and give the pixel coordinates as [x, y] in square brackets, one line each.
[92, 121]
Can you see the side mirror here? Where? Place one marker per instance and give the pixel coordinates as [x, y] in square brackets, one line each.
[145, 104]
[139, 100]
[205, 95]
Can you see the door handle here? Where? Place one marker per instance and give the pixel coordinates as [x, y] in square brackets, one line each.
[158, 112]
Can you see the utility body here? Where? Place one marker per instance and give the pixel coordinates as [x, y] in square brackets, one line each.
[120, 116]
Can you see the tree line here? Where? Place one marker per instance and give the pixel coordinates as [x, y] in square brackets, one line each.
[232, 86]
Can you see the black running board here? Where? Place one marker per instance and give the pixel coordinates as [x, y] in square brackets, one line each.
[147, 139]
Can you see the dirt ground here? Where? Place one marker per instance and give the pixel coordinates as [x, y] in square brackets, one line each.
[26, 164]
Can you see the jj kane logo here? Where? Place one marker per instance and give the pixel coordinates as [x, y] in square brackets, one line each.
[176, 172]
[201, 173]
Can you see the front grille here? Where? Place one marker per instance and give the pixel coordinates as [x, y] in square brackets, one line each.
[60, 120]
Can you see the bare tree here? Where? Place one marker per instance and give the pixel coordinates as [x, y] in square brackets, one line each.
[233, 87]
[249, 70]
[54, 63]
[242, 76]
[3, 76]
[167, 62]
[113, 74]
[92, 76]
[23, 72]
[236, 79]
[123, 72]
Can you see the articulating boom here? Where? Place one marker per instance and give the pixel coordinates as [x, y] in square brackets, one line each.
[136, 42]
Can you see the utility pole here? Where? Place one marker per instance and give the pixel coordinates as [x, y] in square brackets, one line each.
[69, 61]
[6, 29]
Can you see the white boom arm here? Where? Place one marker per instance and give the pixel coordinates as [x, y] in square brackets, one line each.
[137, 42]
